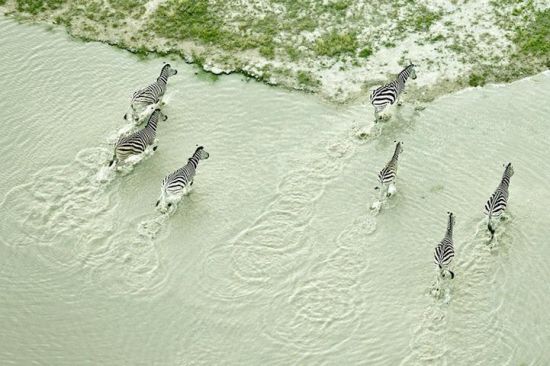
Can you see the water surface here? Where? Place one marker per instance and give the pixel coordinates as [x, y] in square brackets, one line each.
[275, 257]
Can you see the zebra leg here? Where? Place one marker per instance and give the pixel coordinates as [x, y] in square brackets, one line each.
[392, 189]
[384, 192]
[491, 229]
[114, 160]
[188, 188]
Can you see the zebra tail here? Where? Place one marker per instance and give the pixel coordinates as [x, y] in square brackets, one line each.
[452, 274]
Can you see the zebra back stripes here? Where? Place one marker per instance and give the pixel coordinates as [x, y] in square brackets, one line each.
[389, 172]
[444, 252]
[390, 92]
[137, 142]
[174, 183]
[498, 201]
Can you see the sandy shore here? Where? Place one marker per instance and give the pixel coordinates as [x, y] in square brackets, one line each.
[339, 49]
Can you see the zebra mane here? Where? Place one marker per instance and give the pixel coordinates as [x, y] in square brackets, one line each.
[407, 70]
[508, 171]
[450, 224]
[163, 72]
[195, 155]
[397, 151]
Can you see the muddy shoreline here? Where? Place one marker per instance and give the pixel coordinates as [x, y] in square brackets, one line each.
[334, 50]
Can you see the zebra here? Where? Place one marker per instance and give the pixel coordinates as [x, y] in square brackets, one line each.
[137, 142]
[387, 176]
[151, 94]
[444, 252]
[496, 205]
[180, 181]
[389, 93]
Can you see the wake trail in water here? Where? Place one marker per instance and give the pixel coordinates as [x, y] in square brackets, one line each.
[70, 218]
[322, 308]
[274, 246]
[466, 311]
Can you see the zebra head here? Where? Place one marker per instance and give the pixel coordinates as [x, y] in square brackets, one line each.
[412, 71]
[201, 153]
[398, 148]
[168, 70]
[509, 169]
[451, 218]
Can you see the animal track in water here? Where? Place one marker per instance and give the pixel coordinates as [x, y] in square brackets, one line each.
[323, 307]
[471, 294]
[267, 252]
[125, 263]
[70, 219]
[58, 202]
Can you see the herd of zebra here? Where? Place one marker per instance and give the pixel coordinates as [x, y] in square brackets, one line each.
[387, 95]
[146, 104]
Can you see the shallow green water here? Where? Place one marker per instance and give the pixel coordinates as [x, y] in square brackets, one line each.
[275, 257]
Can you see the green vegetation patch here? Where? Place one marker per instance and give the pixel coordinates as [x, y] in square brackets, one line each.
[188, 19]
[366, 52]
[306, 78]
[534, 38]
[338, 5]
[37, 6]
[476, 79]
[419, 19]
[335, 44]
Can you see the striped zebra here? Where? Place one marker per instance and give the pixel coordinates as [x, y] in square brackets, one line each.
[444, 252]
[180, 181]
[387, 176]
[137, 142]
[151, 94]
[389, 93]
[496, 205]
